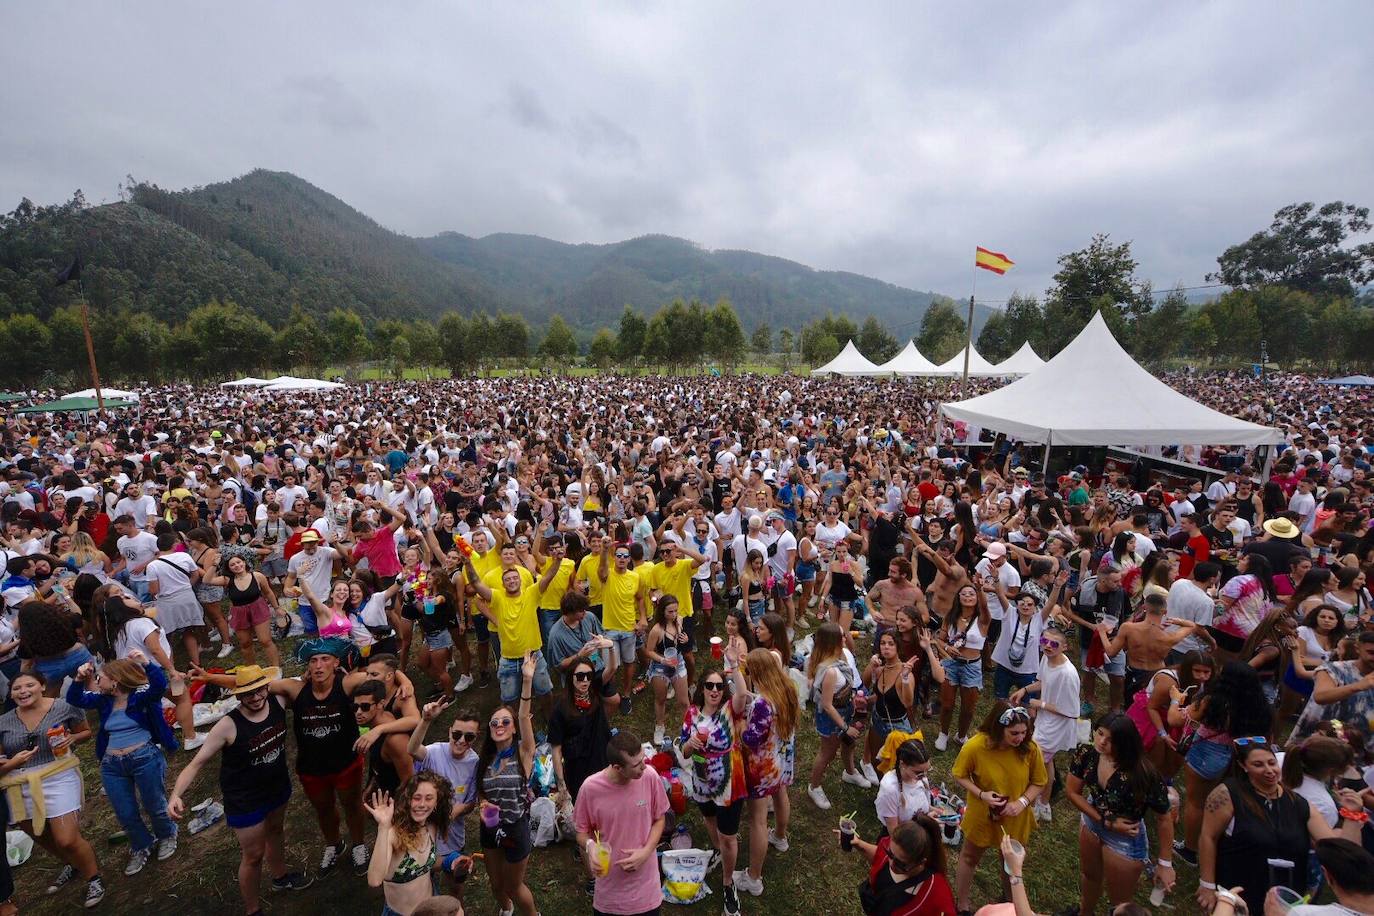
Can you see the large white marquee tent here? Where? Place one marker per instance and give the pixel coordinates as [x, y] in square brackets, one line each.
[909, 362]
[1023, 362]
[978, 367]
[849, 362]
[1093, 393]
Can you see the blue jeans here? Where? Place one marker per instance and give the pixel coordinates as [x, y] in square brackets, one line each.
[145, 770]
[547, 618]
[1004, 679]
[309, 623]
[140, 589]
[509, 675]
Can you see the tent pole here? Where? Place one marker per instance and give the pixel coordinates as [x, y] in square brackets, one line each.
[1045, 462]
[968, 341]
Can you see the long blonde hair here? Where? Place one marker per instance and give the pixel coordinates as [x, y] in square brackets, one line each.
[84, 550]
[828, 645]
[764, 670]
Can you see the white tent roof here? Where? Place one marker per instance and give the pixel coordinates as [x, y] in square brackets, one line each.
[290, 383]
[909, 362]
[1023, 362]
[849, 362]
[1093, 393]
[109, 394]
[247, 381]
[977, 365]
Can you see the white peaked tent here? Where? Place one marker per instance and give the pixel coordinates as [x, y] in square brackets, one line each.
[977, 365]
[247, 381]
[1023, 362]
[1093, 393]
[909, 362]
[849, 362]
[109, 394]
[290, 383]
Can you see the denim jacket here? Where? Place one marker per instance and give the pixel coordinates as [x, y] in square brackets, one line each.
[144, 707]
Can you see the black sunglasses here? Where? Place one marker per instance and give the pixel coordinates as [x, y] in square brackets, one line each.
[364, 706]
[714, 685]
[467, 737]
[582, 675]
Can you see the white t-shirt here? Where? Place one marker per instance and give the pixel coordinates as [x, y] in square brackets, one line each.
[316, 570]
[902, 802]
[1189, 602]
[785, 545]
[172, 582]
[287, 496]
[1027, 643]
[137, 550]
[1059, 687]
[827, 536]
[1011, 580]
[135, 636]
[140, 509]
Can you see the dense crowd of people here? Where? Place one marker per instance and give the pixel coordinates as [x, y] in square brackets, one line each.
[1185, 669]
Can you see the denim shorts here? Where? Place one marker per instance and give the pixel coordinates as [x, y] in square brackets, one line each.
[624, 644]
[65, 665]
[1115, 666]
[1004, 679]
[826, 727]
[666, 671]
[961, 672]
[441, 640]
[1136, 848]
[509, 675]
[884, 727]
[757, 608]
[1209, 759]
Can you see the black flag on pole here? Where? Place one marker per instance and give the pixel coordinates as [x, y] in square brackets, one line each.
[71, 272]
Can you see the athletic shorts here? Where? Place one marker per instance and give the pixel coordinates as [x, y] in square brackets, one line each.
[513, 840]
[727, 816]
[350, 777]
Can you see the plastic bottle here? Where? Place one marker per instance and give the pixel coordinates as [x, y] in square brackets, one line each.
[681, 839]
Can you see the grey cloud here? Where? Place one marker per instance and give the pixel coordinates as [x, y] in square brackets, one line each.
[327, 100]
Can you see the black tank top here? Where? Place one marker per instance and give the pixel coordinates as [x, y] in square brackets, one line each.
[325, 730]
[253, 772]
[888, 705]
[383, 773]
[240, 597]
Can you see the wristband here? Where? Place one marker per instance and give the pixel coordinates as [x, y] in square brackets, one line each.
[1225, 896]
[1166, 863]
[1162, 733]
[1206, 885]
[526, 699]
[1361, 816]
[1024, 803]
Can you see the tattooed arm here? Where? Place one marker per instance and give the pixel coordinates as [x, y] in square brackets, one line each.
[1216, 814]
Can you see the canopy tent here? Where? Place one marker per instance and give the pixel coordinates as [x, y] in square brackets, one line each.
[1356, 380]
[74, 404]
[1093, 393]
[977, 365]
[9, 397]
[909, 362]
[247, 381]
[1023, 362]
[849, 362]
[109, 394]
[290, 383]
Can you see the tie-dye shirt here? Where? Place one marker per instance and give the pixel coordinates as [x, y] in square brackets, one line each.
[769, 760]
[720, 778]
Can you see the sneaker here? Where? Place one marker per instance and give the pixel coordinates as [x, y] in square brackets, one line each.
[855, 779]
[714, 862]
[626, 704]
[731, 899]
[483, 680]
[960, 739]
[1184, 854]
[778, 842]
[215, 637]
[1102, 676]
[1043, 812]
[224, 651]
[331, 856]
[658, 735]
[194, 743]
[63, 878]
[747, 883]
[137, 860]
[817, 794]
[869, 773]
[292, 881]
[166, 848]
[95, 890]
[360, 858]
[464, 682]
[942, 742]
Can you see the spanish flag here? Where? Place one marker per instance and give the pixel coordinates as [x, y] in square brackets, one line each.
[994, 261]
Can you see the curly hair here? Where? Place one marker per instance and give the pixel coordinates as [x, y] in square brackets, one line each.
[406, 828]
[1234, 703]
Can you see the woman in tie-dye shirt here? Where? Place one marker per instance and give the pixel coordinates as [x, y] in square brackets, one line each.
[708, 748]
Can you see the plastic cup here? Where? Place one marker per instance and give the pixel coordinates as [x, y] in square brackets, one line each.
[717, 648]
[600, 855]
[1157, 895]
[429, 606]
[847, 828]
[1288, 898]
[491, 815]
[1016, 847]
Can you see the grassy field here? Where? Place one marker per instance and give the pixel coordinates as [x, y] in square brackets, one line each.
[201, 878]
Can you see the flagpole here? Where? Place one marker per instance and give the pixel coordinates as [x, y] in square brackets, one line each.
[90, 347]
[968, 341]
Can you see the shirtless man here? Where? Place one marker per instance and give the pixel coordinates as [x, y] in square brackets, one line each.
[949, 578]
[896, 591]
[1148, 642]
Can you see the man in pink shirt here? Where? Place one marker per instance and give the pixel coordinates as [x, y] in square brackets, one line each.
[379, 546]
[624, 803]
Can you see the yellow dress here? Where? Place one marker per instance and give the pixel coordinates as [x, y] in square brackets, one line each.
[1004, 771]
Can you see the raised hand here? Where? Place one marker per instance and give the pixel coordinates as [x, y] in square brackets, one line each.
[381, 808]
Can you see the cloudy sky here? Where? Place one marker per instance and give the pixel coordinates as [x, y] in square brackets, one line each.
[887, 138]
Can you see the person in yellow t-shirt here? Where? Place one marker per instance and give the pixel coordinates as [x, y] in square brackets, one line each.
[586, 579]
[507, 556]
[484, 560]
[551, 602]
[1003, 772]
[625, 611]
[672, 575]
[512, 608]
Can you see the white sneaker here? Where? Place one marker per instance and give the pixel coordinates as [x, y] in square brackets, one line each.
[224, 651]
[778, 842]
[195, 742]
[855, 779]
[137, 860]
[464, 682]
[960, 739]
[215, 637]
[658, 735]
[360, 857]
[1043, 812]
[942, 742]
[817, 794]
[166, 848]
[869, 773]
[750, 885]
[331, 856]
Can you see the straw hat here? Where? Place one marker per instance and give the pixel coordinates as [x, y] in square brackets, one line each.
[1281, 528]
[248, 678]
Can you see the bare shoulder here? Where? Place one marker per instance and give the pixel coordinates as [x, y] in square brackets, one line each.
[1218, 800]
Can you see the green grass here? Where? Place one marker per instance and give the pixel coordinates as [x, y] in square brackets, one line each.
[201, 878]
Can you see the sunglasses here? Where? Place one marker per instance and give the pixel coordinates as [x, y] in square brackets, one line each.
[1253, 739]
[466, 737]
[503, 722]
[1050, 643]
[714, 685]
[364, 707]
[582, 675]
[621, 556]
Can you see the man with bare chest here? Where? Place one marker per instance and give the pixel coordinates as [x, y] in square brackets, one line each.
[1147, 642]
[897, 591]
[949, 578]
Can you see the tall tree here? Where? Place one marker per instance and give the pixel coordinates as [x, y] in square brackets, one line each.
[943, 331]
[1088, 280]
[558, 344]
[453, 343]
[1025, 322]
[302, 342]
[995, 341]
[603, 351]
[141, 346]
[347, 337]
[423, 337]
[786, 344]
[226, 338]
[482, 343]
[512, 335]
[724, 334]
[1304, 248]
[630, 339]
[27, 355]
[398, 356]
[761, 341]
[876, 342]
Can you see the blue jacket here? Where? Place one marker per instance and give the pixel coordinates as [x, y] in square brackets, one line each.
[144, 707]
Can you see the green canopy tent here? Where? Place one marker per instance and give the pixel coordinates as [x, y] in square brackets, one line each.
[74, 405]
[7, 397]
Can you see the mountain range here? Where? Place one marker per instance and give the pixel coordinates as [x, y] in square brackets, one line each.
[271, 240]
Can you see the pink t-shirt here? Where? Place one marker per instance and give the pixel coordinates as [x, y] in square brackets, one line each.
[624, 815]
[380, 550]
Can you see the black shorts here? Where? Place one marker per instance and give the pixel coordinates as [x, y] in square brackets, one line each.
[1227, 642]
[514, 840]
[727, 818]
[608, 688]
[689, 626]
[656, 911]
[595, 610]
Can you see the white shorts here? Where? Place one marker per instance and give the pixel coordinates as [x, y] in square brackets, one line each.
[62, 794]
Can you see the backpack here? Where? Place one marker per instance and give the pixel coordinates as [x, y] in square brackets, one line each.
[844, 694]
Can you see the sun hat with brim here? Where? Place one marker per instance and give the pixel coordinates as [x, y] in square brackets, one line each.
[1281, 528]
[310, 536]
[248, 678]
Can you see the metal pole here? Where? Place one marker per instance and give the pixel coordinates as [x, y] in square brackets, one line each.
[90, 347]
[968, 338]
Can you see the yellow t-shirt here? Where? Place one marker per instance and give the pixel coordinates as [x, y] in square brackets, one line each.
[517, 621]
[485, 563]
[1006, 772]
[675, 580]
[619, 610]
[586, 572]
[558, 586]
[492, 577]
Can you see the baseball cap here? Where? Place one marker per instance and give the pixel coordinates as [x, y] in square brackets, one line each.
[995, 550]
[310, 536]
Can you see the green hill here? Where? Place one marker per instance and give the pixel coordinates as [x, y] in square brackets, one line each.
[270, 240]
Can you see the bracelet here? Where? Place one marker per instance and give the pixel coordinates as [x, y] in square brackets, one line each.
[1024, 803]
[1361, 816]
[1166, 863]
[526, 699]
[1014, 879]
[1206, 885]
[1225, 896]
[1162, 733]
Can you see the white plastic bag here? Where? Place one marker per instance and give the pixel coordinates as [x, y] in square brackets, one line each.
[1085, 731]
[544, 821]
[18, 847]
[684, 875]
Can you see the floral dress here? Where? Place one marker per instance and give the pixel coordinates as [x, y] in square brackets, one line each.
[718, 768]
[769, 760]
